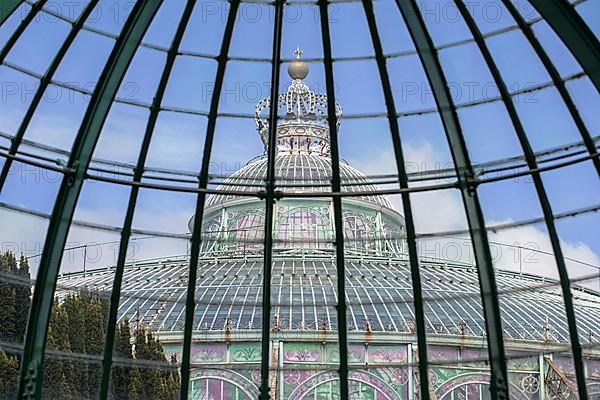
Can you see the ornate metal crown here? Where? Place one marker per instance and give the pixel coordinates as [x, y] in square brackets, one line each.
[304, 127]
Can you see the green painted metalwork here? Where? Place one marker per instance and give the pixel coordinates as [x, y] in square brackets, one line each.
[575, 34]
[20, 29]
[542, 195]
[44, 82]
[304, 372]
[342, 324]
[136, 25]
[201, 200]
[466, 178]
[7, 7]
[138, 173]
[558, 82]
[406, 204]
[270, 198]
[560, 15]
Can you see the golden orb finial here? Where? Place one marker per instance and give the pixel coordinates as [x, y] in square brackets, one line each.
[298, 69]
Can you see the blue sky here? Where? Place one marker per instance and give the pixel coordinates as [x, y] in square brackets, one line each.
[364, 142]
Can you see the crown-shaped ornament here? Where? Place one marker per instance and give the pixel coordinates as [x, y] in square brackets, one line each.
[302, 115]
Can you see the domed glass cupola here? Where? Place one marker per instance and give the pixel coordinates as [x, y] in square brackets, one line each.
[302, 164]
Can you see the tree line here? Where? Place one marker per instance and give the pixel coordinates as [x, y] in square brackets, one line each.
[78, 324]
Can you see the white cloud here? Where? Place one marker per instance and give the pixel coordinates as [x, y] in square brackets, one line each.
[439, 211]
[26, 234]
[536, 256]
[169, 220]
[23, 234]
[434, 211]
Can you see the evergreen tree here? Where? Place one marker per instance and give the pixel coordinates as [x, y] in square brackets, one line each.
[159, 383]
[78, 324]
[22, 300]
[9, 365]
[143, 383]
[86, 314]
[75, 307]
[9, 373]
[173, 380]
[58, 374]
[95, 336]
[15, 299]
[121, 376]
[142, 348]
[136, 386]
[8, 312]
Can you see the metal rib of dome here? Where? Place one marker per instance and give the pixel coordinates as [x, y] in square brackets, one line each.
[379, 297]
[447, 328]
[297, 172]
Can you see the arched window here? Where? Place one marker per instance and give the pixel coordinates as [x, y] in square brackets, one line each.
[247, 232]
[211, 233]
[218, 388]
[302, 229]
[475, 390]
[359, 234]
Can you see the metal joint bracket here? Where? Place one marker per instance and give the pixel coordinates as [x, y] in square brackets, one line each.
[502, 388]
[30, 380]
[70, 173]
[45, 79]
[468, 183]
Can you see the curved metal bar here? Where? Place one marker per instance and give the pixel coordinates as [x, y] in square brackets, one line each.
[20, 29]
[468, 183]
[290, 194]
[191, 111]
[7, 7]
[406, 204]
[136, 25]
[188, 53]
[438, 234]
[542, 195]
[133, 196]
[190, 303]
[337, 201]
[557, 79]
[270, 198]
[101, 166]
[45, 80]
[575, 34]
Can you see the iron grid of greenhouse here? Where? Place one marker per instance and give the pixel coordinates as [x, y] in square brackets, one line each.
[338, 184]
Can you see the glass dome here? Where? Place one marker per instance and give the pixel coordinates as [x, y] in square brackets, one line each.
[415, 218]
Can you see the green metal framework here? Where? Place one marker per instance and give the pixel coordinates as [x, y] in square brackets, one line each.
[578, 37]
[35, 343]
[560, 15]
[203, 183]
[556, 79]
[270, 197]
[133, 196]
[337, 201]
[22, 25]
[468, 187]
[411, 238]
[541, 191]
[8, 7]
[44, 82]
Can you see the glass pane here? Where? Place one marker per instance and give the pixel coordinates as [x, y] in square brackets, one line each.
[132, 225]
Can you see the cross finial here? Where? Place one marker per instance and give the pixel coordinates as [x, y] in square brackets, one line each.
[298, 52]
